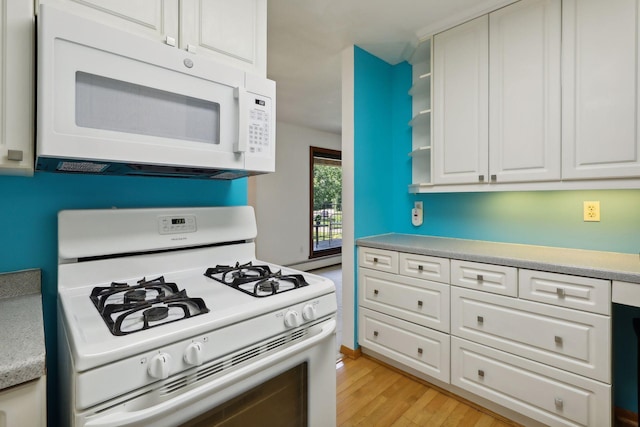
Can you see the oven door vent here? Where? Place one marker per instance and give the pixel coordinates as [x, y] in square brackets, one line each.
[244, 355]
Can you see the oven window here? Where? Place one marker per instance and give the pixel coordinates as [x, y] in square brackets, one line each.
[109, 104]
[279, 402]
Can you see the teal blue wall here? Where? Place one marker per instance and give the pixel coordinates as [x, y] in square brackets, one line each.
[28, 213]
[549, 218]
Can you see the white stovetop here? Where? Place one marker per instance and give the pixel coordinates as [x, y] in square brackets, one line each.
[91, 342]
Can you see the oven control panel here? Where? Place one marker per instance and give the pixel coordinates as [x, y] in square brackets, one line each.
[177, 224]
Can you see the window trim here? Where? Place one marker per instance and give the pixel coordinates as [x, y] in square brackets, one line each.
[329, 154]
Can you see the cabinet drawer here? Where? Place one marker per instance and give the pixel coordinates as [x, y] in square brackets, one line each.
[568, 339]
[551, 396]
[425, 267]
[582, 293]
[419, 301]
[417, 347]
[485, 277]
[378, 259]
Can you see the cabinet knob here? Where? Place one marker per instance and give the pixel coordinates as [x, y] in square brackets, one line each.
[419, 350]
[560, 292]
[494, 178]
[480, 373]
[420, 268]
[481, 178]
[480, 320]
[558, 340]
[375, 333]
[480, 278]
[375, 292]
[170, 41]
[420, 304]
[559, 403]
[375, 259]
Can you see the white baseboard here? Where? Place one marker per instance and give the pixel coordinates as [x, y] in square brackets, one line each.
[314, 264]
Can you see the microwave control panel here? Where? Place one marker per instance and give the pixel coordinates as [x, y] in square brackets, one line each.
[260, 125]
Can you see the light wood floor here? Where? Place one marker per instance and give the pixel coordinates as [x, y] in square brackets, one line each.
[371, 394]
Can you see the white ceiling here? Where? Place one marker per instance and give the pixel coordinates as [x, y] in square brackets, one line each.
[306, 38]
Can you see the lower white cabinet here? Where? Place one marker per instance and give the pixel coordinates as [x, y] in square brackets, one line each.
[24, 404]
[549, 395]
[568, 339]
[535, 343]
[420, 348]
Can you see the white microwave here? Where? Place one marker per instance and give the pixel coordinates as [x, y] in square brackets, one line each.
[110, 102]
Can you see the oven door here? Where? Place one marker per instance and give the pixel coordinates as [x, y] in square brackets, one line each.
[292, 386]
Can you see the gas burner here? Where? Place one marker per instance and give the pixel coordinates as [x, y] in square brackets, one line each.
[130, 308]
[255, 280]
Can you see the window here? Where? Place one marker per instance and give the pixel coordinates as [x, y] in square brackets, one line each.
[325, 202]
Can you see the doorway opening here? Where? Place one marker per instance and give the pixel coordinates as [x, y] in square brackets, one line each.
[325, 219]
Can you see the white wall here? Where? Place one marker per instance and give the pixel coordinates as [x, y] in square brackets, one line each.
[281, 199]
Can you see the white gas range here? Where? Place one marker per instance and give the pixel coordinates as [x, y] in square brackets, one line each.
[166, 318]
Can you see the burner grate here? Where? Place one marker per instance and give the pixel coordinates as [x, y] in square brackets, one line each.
[131, 308]
[255, 280]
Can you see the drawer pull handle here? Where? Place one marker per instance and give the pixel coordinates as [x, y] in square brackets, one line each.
[375, 292]
[419, 350]
[480, 320]
[480, 373]
[480, 278]
[420, 304]
[481, 178]
[558, 340]
[375, 259]
[420, 267]
[559, 403]
[560, 292]
[375, 333]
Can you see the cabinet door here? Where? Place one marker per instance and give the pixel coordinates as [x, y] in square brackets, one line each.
[524, 92]
[157, 20]
[552, 396]
[460, 103]
[234, 32]
[600, 89]
[17, 88]
[415, 346]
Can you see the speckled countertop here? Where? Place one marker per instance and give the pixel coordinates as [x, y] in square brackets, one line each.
[22, 351]
[601, 265]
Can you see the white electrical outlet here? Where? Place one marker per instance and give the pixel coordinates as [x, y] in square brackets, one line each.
[591, 211]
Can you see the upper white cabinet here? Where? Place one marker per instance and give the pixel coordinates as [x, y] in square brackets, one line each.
[232, 32]
[17, 87]
[460, 101]
[506, 63]
[600, 89]
[524, 92]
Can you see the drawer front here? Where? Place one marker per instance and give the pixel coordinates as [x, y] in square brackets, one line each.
[419, 301]
[574, 340]
[425, 267]
[582, 293]
[378, 259]
[417, 347]
[496, 279]
[551, 396]
[625, 293]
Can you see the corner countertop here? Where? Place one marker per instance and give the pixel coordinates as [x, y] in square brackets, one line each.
[597, 264]
[22, 350]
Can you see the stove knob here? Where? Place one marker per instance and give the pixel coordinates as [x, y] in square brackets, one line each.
[292, 319]
[309, 312]
[159, 366]
[194, 354]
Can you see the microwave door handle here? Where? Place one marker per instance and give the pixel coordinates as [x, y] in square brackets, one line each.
[241, 145]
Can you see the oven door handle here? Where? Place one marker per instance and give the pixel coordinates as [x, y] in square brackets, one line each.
[157, 412]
